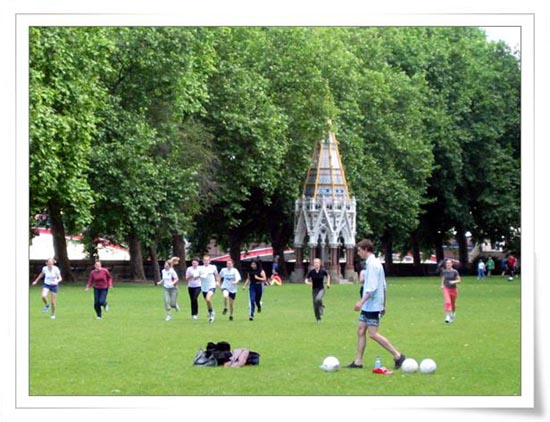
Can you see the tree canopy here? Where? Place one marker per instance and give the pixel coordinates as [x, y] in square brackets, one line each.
[144, 135]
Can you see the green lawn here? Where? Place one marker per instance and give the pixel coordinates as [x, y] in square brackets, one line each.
[134, 351]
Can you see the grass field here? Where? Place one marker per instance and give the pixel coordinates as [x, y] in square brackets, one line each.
[133, 351]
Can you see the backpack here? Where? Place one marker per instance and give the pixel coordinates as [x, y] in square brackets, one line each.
[221, 351]
[253, 358]
[203, 359]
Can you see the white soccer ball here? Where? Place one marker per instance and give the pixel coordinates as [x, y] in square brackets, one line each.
[409, 366]
[428, 366]
[510, 278]
[330, 364]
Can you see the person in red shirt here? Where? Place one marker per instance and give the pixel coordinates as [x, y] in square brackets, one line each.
[512, 264]
[100, 278]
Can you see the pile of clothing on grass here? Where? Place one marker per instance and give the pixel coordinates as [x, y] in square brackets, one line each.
[220, 354]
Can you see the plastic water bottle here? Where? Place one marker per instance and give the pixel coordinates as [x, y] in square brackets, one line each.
[377, 363]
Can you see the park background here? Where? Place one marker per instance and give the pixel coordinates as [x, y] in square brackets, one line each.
[146, 136]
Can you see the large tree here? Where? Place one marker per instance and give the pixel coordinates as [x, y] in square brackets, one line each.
[147, 161]
[65, 94]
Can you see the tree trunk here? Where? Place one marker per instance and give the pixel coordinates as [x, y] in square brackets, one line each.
[439, 252]
[280, 236]
[235, 243]
[462, 248]
[155, 262]
[388, 253]
[59, 241]
[178, 245]
[416, 255]
[137, 273]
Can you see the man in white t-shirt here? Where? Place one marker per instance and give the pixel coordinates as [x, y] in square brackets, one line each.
[52, 277]
[230, 277]
[209, 281]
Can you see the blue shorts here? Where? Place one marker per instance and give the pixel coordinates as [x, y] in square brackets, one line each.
[51, 287]
[372, 319]
[213, 290]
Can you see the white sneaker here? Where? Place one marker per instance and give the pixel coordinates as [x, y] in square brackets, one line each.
[168, 317]
[52, 317]
[177, 307]
[106, 307]
[211, 318]
[194, 317]
[447, 319]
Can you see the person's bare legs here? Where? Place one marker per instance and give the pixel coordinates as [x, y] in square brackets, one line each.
[361, 343]
[383, 341]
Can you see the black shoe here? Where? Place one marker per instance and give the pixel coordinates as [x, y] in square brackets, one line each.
[251, 318]
[224, 311]
[399, 362]
[259, 309]
[354, 365]
[230, 317]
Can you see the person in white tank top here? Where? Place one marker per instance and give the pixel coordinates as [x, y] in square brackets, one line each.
[52, 277]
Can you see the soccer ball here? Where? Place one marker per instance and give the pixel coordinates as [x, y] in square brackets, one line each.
[428, 366]
[330, 364]
[510, 278]
[409, 366]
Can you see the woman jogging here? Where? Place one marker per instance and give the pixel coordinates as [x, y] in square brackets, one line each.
[229, 277]
[100, 278]
[192, 275]
[255, 279]
[169, 280]
[52, 278]
[209, 281]
[449, 280]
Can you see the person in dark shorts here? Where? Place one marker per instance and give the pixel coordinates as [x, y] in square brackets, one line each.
[52, 278]
[229, 277]
[371, 307]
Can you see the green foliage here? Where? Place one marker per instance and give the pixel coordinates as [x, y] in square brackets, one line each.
[66, 95]
[147, 161]
[209, 131]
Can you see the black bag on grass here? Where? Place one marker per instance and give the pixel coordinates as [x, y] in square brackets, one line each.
[253, 358]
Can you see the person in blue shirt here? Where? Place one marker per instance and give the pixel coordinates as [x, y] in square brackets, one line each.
[372, 306]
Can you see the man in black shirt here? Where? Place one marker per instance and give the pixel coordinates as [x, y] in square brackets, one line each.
[316, 278]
